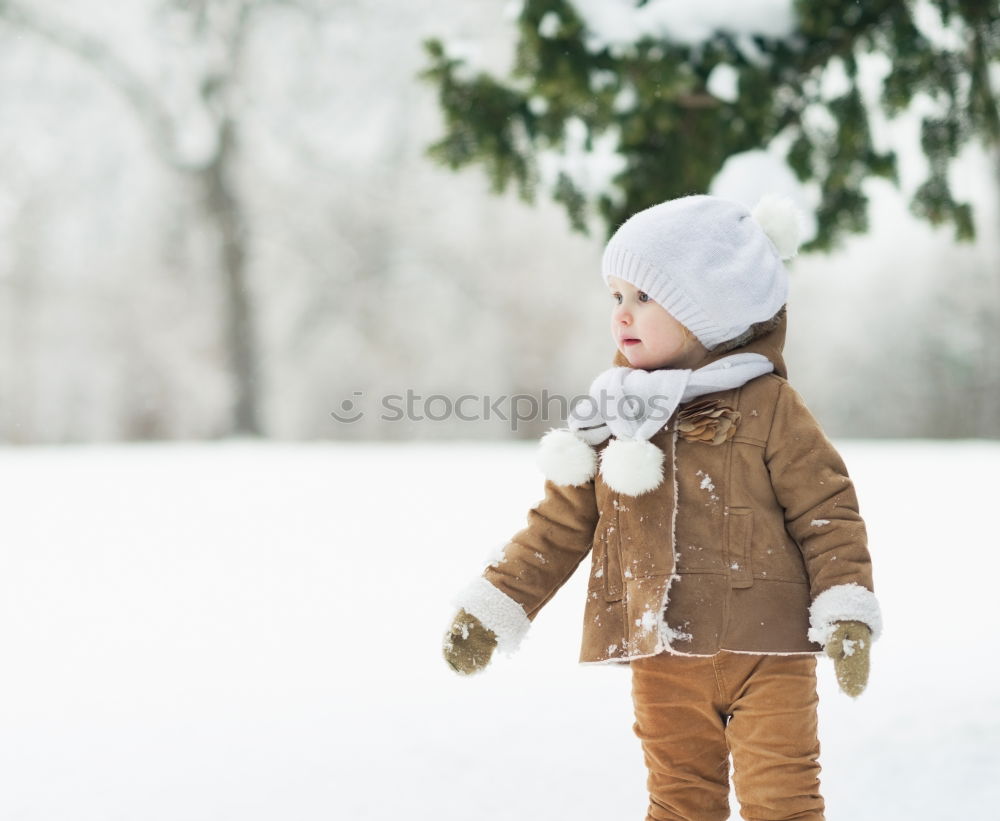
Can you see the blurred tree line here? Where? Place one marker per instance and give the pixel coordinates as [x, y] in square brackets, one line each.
[216, 220]
[217, 217]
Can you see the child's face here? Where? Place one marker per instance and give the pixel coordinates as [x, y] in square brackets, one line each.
[649, 337]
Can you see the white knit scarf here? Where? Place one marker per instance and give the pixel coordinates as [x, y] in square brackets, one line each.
[634, 404]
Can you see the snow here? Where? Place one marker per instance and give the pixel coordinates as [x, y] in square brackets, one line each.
[512, 10]
[834, 81]
[591, 168]
[626, 100]
[649, 620]
[601, 79]
[538, 105]
[671, 636]
[621, 23]
[723, 83]
[549, 25]
[253, 631]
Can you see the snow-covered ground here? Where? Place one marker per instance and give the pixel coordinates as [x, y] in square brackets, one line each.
[251, 631]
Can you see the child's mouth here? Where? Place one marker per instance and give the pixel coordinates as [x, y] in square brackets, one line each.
[630, 341]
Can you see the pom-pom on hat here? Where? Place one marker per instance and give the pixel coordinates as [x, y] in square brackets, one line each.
[714, 265]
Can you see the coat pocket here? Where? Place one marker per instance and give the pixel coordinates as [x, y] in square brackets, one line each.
[598, 564]
[605, 569]
[739, 537]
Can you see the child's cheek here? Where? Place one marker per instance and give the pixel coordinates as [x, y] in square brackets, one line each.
[674, 339]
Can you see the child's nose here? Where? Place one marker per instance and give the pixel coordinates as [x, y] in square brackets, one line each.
[622, 315]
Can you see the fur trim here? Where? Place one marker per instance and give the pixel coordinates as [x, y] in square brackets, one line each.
[497, 611]
[664, 637]
[566, 459]
[779, 218]
[632, 466]
[844, 602]
[755, 331]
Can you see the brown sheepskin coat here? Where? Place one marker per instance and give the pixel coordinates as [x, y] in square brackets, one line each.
[728, 553]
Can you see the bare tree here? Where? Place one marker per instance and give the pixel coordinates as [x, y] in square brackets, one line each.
[218, 31]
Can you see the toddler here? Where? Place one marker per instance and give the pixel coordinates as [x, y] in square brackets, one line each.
[727, 549]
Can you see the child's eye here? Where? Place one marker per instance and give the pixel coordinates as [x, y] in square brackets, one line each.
[617, 297]
[643, 297]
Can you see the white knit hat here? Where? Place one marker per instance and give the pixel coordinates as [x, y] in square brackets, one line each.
[714, 265]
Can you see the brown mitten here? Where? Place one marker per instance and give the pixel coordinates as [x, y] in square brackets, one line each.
[468, 645]
[849, 647]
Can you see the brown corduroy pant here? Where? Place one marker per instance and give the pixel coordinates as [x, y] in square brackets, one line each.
[692, 712]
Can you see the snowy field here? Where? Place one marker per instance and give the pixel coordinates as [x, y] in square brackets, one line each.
[251, 631]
